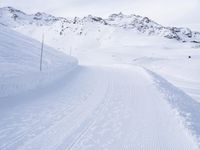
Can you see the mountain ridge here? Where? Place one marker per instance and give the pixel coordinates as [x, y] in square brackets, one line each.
[14, 18]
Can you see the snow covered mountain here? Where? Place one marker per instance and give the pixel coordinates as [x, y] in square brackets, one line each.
[145, 25]
[96, 27]
[136, 85]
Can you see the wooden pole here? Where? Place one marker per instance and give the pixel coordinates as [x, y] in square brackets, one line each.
[42, 49]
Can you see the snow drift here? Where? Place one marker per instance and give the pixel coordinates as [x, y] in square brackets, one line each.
[20, 61]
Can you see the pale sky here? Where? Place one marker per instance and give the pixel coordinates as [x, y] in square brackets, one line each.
[166, 12]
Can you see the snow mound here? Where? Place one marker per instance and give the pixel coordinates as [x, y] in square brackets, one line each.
[184, 104]
[20, 63]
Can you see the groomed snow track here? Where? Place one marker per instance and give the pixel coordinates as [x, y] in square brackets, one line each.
[108, 107]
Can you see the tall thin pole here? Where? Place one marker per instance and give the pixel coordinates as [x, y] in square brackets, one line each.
[42, 49]
[70, 52]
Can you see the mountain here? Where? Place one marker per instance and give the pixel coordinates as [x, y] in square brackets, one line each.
[146, 25]
[90, 29]
[136, 85]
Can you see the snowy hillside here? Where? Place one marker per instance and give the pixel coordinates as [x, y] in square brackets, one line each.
[89, 31]
[20, 63]
[136, 86]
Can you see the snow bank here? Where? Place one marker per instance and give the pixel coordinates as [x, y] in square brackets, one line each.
[20, 62]
[186, 106]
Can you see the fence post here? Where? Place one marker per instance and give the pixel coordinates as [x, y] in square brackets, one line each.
[41, 55]
[70, 52]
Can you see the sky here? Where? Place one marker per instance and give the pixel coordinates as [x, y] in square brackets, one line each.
[165, 12]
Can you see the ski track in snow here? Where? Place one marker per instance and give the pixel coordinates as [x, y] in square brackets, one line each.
[101, 108]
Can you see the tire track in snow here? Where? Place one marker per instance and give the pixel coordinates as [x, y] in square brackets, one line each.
[114, 107]
[93, 120]
[21, 136]
[147, 121]
[60, 125]
[109, 108]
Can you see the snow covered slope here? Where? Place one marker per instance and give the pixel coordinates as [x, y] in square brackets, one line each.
[89, 31]
[20, 63]
[108, 107]
[131, 91]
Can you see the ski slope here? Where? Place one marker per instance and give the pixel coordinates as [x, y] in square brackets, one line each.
[129, 92]
[108, 107]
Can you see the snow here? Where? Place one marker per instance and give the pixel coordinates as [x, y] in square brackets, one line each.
[186, 106]
[20, 63]
[77, 27]
[130, 90]
[110, 114]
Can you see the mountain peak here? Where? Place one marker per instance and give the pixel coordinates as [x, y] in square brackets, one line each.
[44, 16]
[15, 18]
[91, 18]
[119, 15]
[11, 10]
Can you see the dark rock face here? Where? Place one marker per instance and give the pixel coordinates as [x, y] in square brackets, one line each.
[185, 31]
[15, 17]
[146, 20]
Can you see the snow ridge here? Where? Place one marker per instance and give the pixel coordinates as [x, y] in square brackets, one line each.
[19, 63]
[14, 18]
[187, 107]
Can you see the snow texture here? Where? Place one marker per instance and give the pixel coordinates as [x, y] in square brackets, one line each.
[133, 88]
[20, 63]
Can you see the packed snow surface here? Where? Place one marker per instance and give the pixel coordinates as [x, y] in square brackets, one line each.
[20, 63]
[116, 107]
[130, 91]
